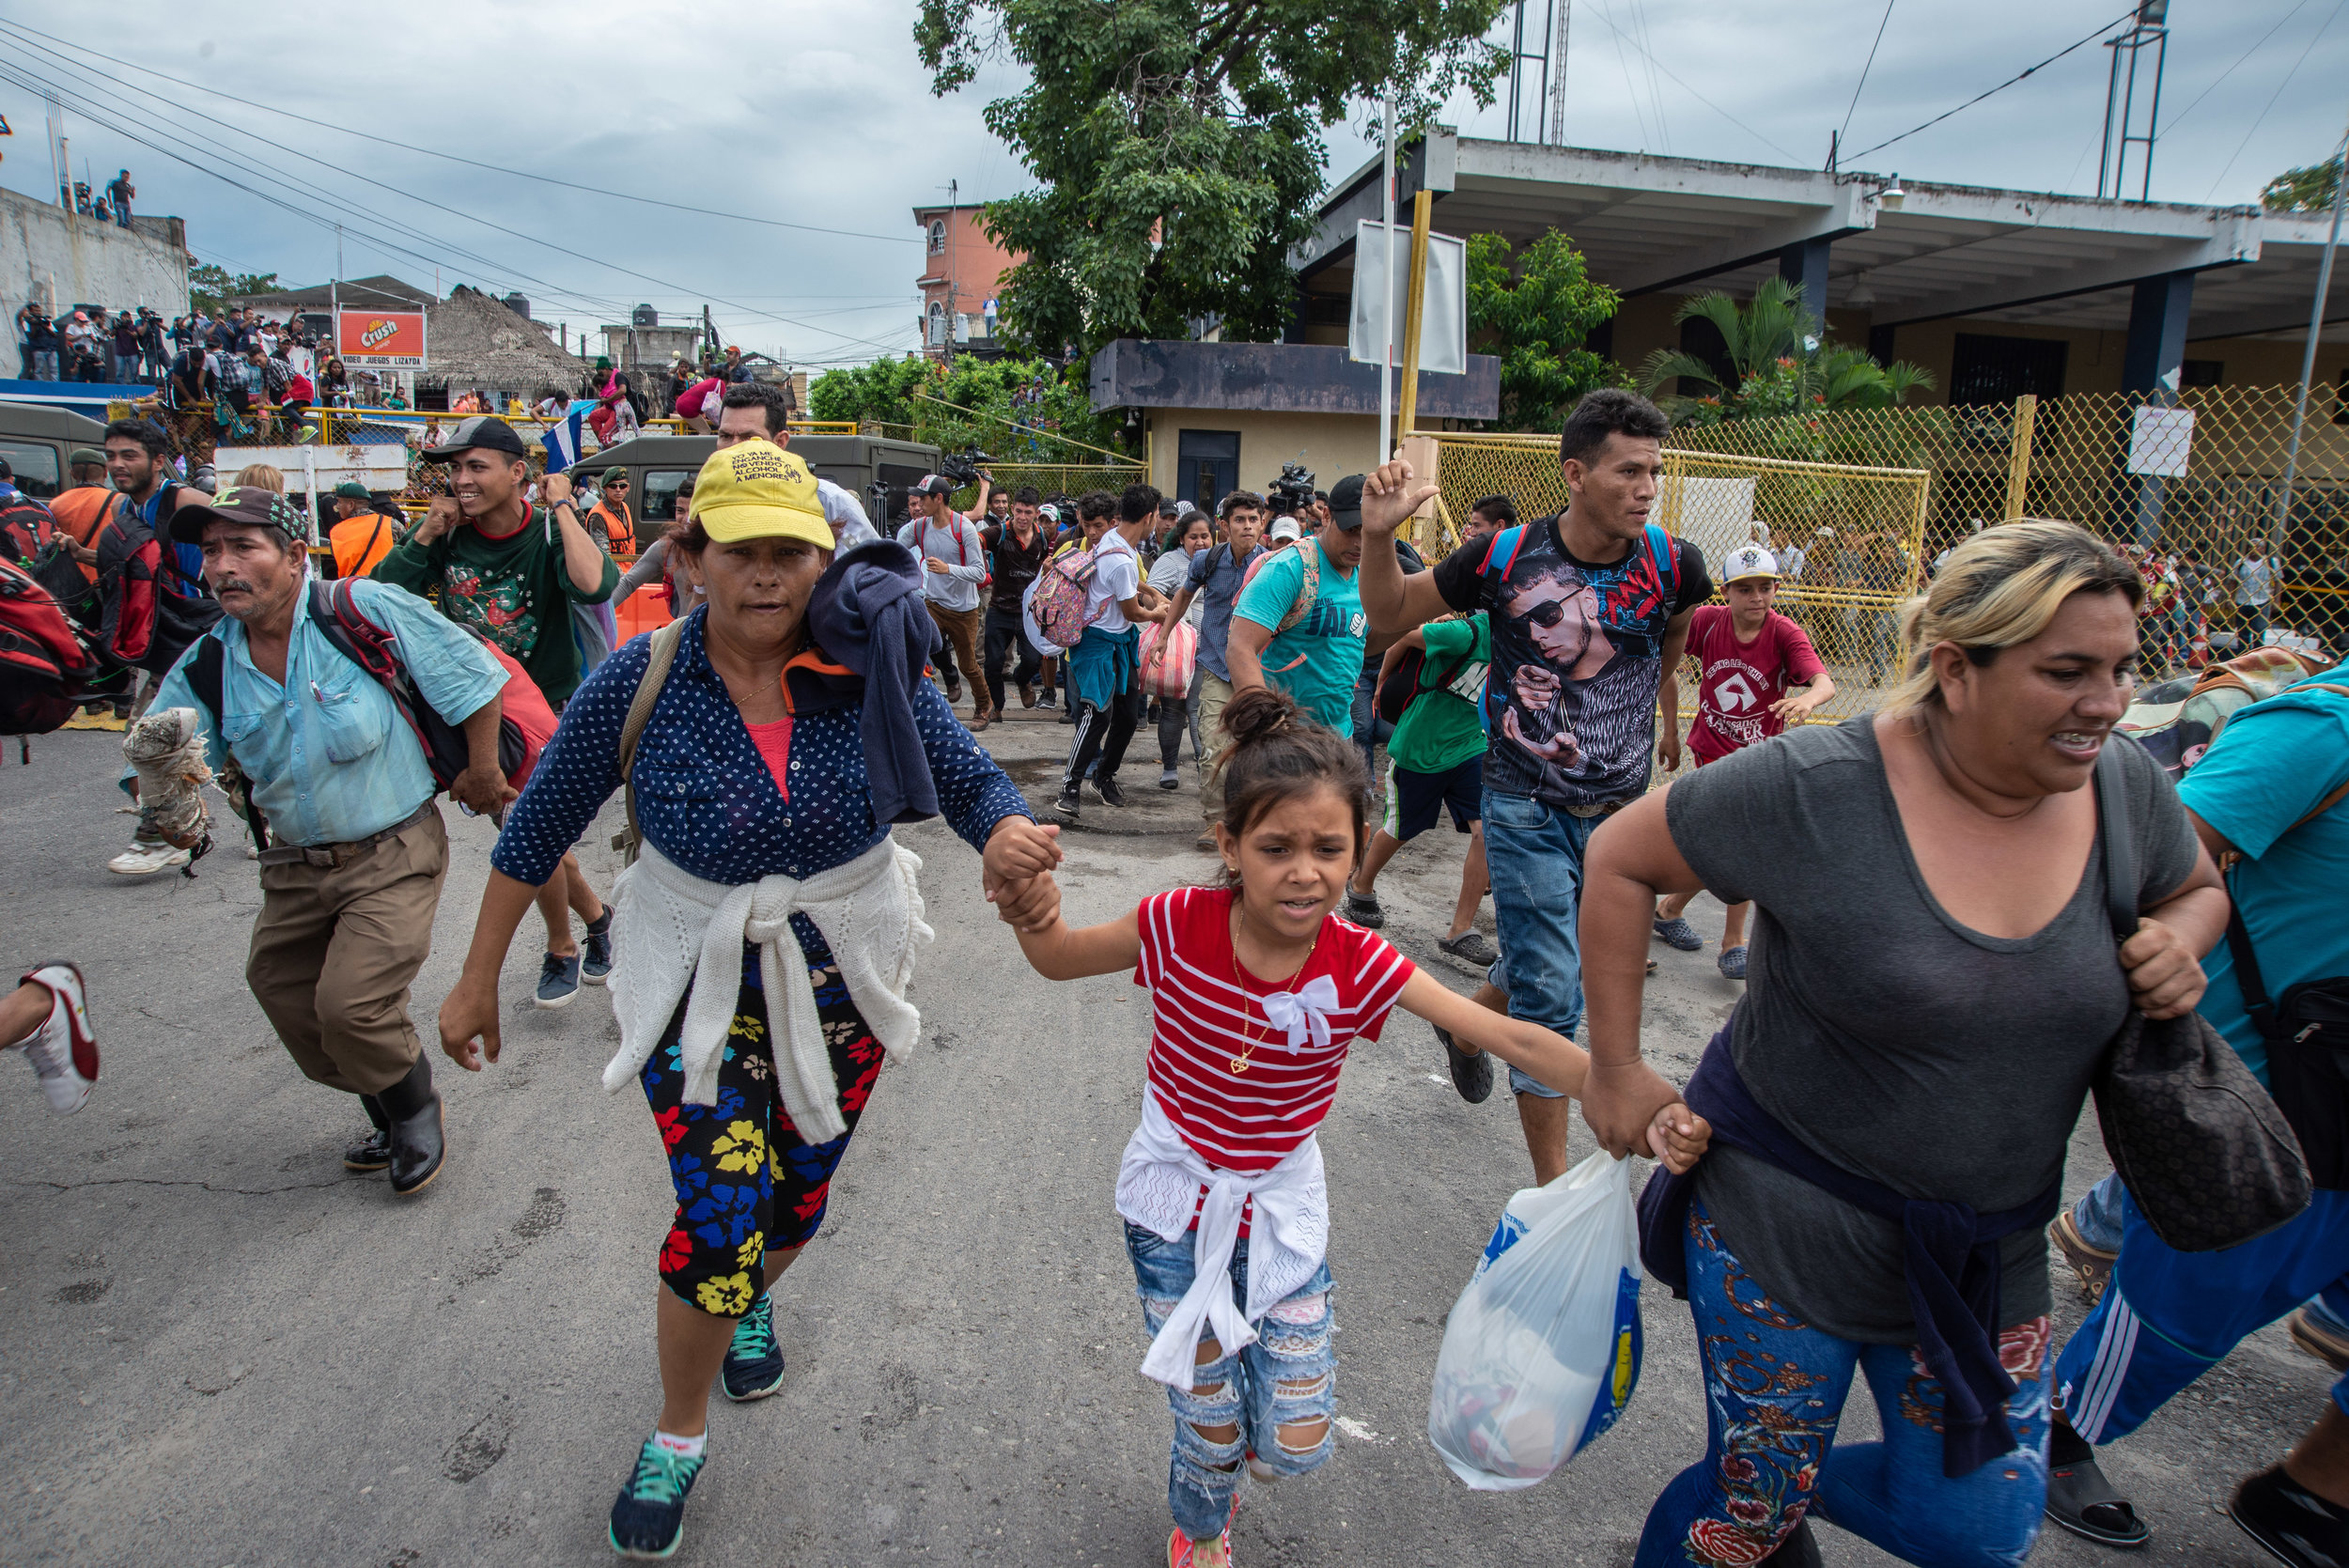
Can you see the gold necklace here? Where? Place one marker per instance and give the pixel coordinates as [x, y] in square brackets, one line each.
[1239, 1064]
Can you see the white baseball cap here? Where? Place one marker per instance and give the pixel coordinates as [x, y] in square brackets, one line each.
[1285, 528]
[1749, 561]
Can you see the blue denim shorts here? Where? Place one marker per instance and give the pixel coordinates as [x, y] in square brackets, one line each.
[1534, 852]
[1288, 1376]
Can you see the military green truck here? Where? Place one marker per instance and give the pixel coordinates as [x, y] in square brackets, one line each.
[876, 470]
[36, 440]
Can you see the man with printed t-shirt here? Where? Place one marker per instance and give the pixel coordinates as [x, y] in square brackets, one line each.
[1756, 673]
[953, 553]
[1298, 624]
[512, 572]
[1588, 609]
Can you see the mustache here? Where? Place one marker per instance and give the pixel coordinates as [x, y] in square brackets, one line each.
[234, 585]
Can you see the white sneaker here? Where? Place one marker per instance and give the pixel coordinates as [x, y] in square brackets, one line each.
[145, 860]
[63, 1051]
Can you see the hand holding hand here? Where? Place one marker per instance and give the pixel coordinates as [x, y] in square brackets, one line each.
[1624, 1104]
[1678, 1136]
[2166, 977]
[484, 789]
[1390, 497]
[1018, 849]
[1030, 906]
[469, 1012]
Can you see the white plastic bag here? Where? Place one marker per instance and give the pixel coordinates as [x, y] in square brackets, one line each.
[1542, 1350]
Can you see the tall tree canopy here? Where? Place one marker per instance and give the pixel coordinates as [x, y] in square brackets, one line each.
[1533, 317]
[1178, 143]
[2307, 190]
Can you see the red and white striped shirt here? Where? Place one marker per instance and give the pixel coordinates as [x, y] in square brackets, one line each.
[1207, 1011]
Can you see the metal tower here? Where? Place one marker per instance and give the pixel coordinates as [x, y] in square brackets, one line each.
[2148, 30]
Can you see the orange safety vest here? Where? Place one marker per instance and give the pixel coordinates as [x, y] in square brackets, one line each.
[619, 530]
[361, 543]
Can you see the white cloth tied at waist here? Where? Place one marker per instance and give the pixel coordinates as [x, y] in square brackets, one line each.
[672, 928]
[1158, 1188]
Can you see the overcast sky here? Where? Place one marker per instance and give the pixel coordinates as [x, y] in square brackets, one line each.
[819, 115]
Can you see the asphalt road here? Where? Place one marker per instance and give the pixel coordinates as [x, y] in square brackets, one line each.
[216, 1347]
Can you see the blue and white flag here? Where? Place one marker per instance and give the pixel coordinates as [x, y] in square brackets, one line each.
[562, 441]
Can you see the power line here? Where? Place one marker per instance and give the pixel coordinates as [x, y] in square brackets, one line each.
[2000, 88]
[2238, 60]
[454, 157]
[2305, 50]
[11, 71]
[1684, 87]
[1886, 21]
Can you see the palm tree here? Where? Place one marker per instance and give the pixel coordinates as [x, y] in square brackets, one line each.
[1780, 363]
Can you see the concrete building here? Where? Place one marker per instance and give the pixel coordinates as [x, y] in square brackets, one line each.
[649, 345]
[1224, 416]
[60, 259]
[1994, 292]
[962, 267]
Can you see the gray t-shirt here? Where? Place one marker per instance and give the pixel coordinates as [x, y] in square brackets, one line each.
[1894, 1041]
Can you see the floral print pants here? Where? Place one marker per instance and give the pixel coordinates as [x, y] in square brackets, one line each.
[746, 1183]
[1775, 1388]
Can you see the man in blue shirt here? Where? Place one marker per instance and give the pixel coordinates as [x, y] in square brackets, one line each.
[353, 876]
[2270, 789]
[1215, 580]
[1299, 625]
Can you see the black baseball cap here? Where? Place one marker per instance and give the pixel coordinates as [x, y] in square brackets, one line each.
[1346, 502]
[247, 505]
[484, 430]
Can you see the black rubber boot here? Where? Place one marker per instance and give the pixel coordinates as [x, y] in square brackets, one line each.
[376, 1153]
[413, 1109]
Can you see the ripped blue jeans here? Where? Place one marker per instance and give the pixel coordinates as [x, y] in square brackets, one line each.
[1286, 1380]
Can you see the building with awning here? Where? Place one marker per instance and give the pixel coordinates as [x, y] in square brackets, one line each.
[1995, 292]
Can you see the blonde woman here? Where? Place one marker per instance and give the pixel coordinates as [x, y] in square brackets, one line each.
[1933, 980]
[260, 475]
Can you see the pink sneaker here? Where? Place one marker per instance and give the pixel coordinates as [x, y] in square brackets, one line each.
[1183, 1552]
[62, 1050]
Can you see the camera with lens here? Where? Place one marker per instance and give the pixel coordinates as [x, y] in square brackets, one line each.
[963, 467]
[1292, 493]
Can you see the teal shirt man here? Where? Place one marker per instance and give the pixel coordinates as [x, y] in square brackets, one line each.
[2274, 764]
[1317, 659]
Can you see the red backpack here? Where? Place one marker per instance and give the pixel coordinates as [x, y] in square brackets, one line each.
[45, 666]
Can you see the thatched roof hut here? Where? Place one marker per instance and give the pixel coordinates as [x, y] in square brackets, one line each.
[474, 341]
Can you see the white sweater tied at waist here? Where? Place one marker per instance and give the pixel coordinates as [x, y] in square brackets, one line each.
[1158, 1188]
[673, 929]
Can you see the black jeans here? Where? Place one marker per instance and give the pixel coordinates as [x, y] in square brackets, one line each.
[1003, 634]
[1174, 725]
[1102, 735]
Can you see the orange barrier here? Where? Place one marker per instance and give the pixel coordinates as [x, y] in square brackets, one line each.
[646, 610]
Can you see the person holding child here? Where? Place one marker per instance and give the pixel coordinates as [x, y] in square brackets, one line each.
[1258, 989]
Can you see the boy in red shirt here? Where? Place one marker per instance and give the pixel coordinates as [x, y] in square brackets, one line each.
[1756, 673]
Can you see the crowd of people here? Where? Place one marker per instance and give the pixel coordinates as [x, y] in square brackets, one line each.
[1959, 904]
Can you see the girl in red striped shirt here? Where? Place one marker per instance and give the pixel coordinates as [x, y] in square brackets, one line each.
[1257, 989]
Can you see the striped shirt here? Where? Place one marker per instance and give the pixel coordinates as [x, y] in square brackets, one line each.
[1207, 1012]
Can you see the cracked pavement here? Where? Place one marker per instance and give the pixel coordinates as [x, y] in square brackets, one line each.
[217, 1348]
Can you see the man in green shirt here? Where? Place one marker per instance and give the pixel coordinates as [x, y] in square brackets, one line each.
[511, 572]
[1297, 626]
[1436, 759]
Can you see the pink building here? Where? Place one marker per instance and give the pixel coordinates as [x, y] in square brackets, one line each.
[962, 267]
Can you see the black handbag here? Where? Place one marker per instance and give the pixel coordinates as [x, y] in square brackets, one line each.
[2209, 1160]
[2306, 1031]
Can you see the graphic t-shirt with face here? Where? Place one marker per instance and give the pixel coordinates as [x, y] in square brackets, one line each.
[1578, 653]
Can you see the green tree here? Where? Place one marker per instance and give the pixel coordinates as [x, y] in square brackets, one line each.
[1534, 316]
[1017, 407]
[1178, 143]
[211, 287]
[2309, 189]
[1780, 363]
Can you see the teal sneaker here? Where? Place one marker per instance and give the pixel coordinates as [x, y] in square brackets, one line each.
[754, 1366]
[648, 1518]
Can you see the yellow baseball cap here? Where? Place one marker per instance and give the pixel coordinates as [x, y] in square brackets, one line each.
[756, 489]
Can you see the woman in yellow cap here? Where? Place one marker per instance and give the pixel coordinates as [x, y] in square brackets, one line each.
[767, 920]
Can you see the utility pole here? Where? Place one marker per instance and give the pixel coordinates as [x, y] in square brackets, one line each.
[954, 295]
[1386, 299]
[2307, 353]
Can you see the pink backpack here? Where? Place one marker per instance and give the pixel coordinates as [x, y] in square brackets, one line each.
[1058, 601]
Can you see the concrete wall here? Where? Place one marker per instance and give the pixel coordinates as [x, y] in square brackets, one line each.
[1332, 445]
[51, 255]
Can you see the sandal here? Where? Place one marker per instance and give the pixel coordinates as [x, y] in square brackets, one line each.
[2083, 1501]
[1678, 933]
[1733, 962]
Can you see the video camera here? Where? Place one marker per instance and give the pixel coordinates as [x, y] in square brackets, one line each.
[963, 467]
[1292, 493]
